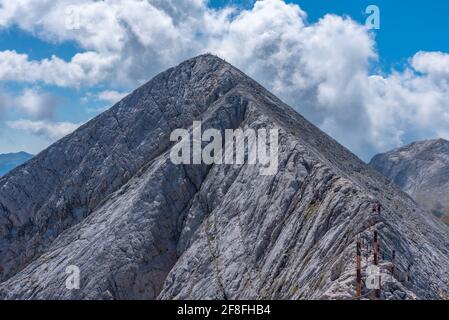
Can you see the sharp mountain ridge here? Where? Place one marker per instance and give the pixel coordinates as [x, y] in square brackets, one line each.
[108, 200]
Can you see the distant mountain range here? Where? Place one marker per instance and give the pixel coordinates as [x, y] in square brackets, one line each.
[9, 161]
[108, 201]
[422, 170]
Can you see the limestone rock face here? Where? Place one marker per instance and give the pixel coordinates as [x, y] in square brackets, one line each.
[422, 170]
[109, 200]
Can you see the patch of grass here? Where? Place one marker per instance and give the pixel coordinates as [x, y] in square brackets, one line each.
[320, 281]
[312, 209]
[445, 219]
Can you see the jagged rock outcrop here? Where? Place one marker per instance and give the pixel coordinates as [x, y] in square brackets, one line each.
[422, 170]
[9, 161]
[108, 199]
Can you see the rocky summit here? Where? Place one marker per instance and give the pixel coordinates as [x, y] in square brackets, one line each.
[108, 200]
[422, 170]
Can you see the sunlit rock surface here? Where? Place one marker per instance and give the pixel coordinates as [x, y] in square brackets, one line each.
[108, 199]
[422, 170]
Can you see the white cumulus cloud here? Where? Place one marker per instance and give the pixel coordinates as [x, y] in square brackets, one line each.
[322, 69]
[111, 96]
[36, 104]
[84, 69]
[47, 129]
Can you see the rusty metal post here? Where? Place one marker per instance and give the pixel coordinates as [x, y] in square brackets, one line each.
[380, 253]
[378, 291]
[393, 264]
[376, 260]
[358, 285]
[409, 272]
[375, 248]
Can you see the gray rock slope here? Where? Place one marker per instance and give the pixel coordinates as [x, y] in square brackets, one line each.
[108, 199]
[9, 161]
[422, 170]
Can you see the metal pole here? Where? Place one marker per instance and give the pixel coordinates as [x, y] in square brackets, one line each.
[393, 264]
[376, 261]
[375, 248]
[358, 287]
[409, 272]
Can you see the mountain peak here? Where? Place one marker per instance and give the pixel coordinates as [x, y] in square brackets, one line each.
[418, 148]
[9, 161]
[206, 62]
[12, 154]
[208, 57]
[422, 170]
[431, 142]
[108, 200]
[442, 141]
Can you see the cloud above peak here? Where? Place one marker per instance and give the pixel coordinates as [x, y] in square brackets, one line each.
[87, 68]
[35, 104]
[111, 96]
[434, 64]
[47, 129]
[322, 69]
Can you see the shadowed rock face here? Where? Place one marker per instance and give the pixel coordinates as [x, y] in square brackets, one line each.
[422, 170]
[10, 161]
[108, 199]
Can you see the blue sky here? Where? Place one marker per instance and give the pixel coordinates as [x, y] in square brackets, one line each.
[407, 28]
